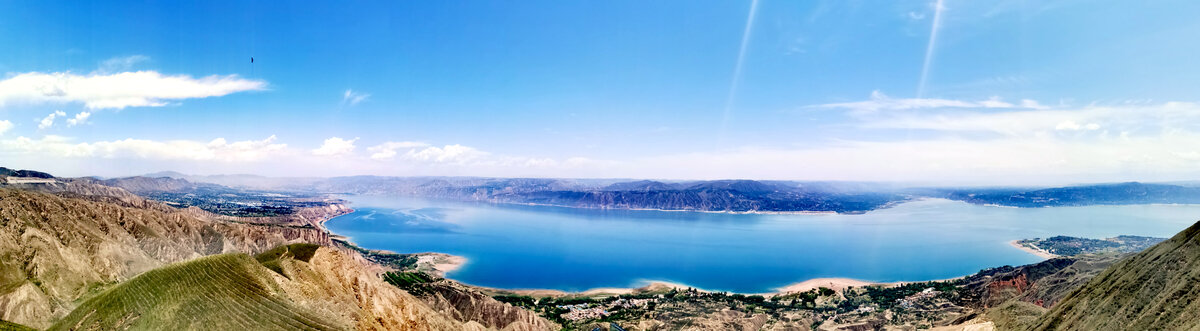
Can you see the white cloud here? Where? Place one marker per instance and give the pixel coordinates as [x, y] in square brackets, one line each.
[1007, 161]
[456, 153]
[879, 101]
[420, 153]
[80, 118]
[351, 98]
[215, 150]
[5, 125]
[1072, 126]
[335, 146]
[118, 90]
[48, 121]
[1138, 118]
[387, 150]
[118, 64]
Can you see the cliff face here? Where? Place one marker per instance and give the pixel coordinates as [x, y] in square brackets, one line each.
[57, 248]
[336, 285]
[465, 304]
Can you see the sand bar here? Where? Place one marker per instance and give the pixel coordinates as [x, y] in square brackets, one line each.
[1031, 250]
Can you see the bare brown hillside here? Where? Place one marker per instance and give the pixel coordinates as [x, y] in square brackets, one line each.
[56, 248]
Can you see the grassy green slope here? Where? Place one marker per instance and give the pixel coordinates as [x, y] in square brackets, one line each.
[1156, 289]
[10, 326]
[220, 292]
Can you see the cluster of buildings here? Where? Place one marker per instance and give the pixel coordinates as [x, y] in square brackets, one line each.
[583, 312]
[629, 303]
[909, 301]
[590, 311]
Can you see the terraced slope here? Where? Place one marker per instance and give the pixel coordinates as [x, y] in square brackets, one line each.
[10, 326]
[1157, 289]
[313, 288]
[220, 292]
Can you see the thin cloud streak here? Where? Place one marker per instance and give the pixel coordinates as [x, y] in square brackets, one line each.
[731, 97]
[933, 34]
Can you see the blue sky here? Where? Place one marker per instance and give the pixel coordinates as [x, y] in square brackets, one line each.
[1014, 91]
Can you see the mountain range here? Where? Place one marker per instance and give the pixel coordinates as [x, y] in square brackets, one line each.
[712, 195]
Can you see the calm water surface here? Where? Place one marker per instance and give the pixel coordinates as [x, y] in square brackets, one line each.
[577, 249]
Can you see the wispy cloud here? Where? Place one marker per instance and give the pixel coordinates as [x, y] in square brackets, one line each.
[1023, 121]
[48, 121]
[879, 101]
[388, 150]
[936, 26]
[120, 64]
[351, 98]
[457, 154]
[735, 81]
[219, 149]
[5, 125]
[1008, 161]
[118, 90]
[335, 146]
[419, 153]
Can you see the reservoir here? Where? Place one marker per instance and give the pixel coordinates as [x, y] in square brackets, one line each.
[539, 247]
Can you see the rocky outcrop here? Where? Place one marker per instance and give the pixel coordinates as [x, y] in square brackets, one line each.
[303, 217]
[335, 284]
[468, 305]
[1042, 284]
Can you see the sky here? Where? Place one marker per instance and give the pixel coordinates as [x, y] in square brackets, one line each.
[944, 91]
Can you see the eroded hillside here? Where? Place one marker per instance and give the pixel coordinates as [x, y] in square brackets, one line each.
[58, 248]
[1156, 289]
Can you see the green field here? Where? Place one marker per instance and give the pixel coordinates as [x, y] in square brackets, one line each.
[220, 292]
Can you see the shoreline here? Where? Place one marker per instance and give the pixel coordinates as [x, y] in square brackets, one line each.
[839, 284]
[441, 263]
[1038, 252]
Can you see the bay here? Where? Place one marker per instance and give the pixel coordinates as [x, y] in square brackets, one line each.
[541, 247]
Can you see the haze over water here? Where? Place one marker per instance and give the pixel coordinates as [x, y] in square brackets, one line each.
[577, 249]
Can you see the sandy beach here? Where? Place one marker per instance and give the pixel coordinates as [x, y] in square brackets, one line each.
[1039, 252]
[651, 286]
[439, 263]
[836, 284]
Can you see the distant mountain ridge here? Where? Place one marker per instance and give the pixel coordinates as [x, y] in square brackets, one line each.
[711, 195]
[23, 173]
[1083, 195]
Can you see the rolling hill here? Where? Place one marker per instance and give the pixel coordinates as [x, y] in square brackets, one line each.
[228, 291]
[294, 287]
[1157, 289]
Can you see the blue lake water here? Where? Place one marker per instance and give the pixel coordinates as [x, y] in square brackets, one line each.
[523, 247]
